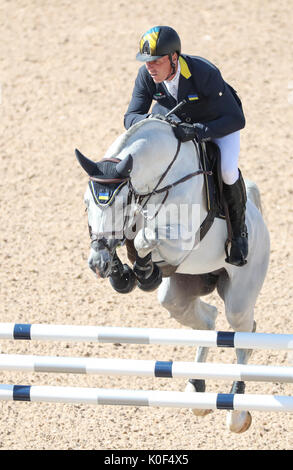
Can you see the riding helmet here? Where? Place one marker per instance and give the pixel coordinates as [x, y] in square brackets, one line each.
[158, 42]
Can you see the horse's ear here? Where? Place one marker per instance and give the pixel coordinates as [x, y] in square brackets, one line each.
[125, 166]
[88, 165]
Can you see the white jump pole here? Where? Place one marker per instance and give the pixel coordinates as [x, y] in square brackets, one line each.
[98, 396]
[149, 368]
[242, 340]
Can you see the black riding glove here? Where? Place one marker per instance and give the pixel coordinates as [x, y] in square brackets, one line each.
[185, 132]
[202, 131]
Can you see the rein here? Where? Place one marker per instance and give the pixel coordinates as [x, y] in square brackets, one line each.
[166, 188]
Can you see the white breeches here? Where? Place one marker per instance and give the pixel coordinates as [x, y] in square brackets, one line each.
[230, 148]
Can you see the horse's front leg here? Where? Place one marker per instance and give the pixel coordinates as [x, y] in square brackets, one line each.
[145, 241]
[149, 275]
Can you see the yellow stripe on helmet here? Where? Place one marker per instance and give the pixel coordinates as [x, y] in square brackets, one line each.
[152, 37]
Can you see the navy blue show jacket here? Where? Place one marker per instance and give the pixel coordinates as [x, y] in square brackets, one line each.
[210, 100]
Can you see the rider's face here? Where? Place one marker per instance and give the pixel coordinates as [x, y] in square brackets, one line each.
[159, 69]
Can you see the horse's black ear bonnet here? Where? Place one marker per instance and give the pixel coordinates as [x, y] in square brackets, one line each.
[107, 176]
[104, 194]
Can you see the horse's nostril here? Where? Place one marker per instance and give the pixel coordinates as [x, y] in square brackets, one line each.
[97, 272]
[106, 266]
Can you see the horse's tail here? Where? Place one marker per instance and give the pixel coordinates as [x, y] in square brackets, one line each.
[253, 194]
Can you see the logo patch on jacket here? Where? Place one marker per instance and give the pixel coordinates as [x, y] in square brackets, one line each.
[159, 95]
[193, 97]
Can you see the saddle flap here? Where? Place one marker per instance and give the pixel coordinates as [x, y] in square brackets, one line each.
[211, 161]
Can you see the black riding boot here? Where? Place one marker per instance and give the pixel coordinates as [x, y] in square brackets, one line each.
[235, 196]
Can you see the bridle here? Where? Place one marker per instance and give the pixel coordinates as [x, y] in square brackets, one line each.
[142, 199]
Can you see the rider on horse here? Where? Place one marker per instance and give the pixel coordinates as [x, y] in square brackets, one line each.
[211, 111]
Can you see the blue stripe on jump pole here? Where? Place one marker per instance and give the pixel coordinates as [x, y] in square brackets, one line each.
[22, 331]
[163, 369]
[225, 401]
[22, 393]
[225, 339]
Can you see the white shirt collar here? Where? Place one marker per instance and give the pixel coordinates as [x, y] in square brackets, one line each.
[172, 85]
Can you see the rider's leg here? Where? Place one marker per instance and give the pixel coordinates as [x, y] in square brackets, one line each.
[235, 195]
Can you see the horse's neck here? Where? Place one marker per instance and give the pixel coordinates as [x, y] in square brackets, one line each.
[151, 165]
[186, 162]
[153, 146]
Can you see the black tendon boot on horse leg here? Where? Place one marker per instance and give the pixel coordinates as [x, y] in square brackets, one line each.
[149, 275]
[235, 196]
[122, 278]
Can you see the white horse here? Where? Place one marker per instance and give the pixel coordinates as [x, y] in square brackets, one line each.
[145, 160]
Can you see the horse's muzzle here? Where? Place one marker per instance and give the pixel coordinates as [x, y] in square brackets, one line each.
[100, 262]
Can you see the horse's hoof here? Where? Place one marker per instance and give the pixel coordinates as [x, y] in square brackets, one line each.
[202, 413]
[239, 421]
[196, 411]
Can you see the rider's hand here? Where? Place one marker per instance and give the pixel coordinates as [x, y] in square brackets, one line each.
[158, 116]
[184, 132]
[202, 131]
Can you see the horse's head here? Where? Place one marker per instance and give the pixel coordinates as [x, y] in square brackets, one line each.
[128, 188]
[106, 199]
